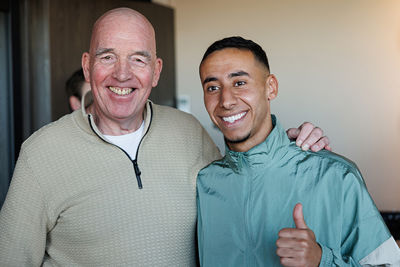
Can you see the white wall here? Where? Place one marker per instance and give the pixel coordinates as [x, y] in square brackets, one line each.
[338, 64]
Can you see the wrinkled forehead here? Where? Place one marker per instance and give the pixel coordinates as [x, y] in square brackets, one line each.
[123, 26]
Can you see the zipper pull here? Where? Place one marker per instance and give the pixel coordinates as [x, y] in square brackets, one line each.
[137, 172]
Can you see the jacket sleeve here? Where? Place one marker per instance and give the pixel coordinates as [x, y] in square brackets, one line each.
[385, 255]
[363, 230]
[23, 219]
[334, 258]
[199, 230]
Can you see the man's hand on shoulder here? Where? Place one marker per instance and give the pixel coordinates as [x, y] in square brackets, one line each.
[298, 246]
[308, 136]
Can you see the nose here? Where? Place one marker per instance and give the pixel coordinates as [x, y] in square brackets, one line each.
[122, 71]
[227, 98]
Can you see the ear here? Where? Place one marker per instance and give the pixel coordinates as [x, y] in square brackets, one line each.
[272, 87]
[157, 71]
[74, 102]
[85, 66]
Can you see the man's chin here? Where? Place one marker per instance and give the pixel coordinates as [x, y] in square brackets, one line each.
[237, 140]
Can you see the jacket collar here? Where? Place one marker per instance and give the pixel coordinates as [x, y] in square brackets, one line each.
[86, 120]
[263, 154]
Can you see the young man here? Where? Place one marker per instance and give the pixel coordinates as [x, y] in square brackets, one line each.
[112, 184]
[246, 199]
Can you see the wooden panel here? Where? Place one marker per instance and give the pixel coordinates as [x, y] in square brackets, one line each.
[70, 27]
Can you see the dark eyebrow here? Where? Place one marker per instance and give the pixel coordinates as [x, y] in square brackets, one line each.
[209, 79]
[231, 75]
[238, 73]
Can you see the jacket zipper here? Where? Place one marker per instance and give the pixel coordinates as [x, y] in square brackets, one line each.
[134, 162]
[249, 258]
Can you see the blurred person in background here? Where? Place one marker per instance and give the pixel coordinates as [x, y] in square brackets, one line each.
[76, 87]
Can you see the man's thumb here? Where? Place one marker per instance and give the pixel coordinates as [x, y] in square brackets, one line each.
[298, 217]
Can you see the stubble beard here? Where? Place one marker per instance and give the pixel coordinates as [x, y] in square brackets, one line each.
[238, 140]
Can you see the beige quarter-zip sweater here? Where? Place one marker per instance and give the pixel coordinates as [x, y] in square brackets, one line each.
[74, 199]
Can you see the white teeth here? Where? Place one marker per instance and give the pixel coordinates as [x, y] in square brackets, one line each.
[234, 118]
[120, 91]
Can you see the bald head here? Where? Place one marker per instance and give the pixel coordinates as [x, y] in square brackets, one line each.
[123, 21]
[122, 67]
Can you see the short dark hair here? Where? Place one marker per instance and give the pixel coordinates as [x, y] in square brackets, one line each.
[74, 84]
[239, 43]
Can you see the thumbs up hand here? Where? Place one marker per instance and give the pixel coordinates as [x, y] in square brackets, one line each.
[297, 246]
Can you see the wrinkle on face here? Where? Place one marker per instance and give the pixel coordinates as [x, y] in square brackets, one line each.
[123, 18]
[122, 68]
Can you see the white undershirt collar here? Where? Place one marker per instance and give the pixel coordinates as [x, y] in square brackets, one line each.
[128, 142]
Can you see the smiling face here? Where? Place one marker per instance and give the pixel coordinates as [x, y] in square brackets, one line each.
[122, 68]
[237, 90]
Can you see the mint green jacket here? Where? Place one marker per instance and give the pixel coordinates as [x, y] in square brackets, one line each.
[246, 198]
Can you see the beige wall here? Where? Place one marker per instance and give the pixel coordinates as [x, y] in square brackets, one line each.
[338, 64]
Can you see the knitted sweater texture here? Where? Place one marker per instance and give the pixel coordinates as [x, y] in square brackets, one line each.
[74, 199]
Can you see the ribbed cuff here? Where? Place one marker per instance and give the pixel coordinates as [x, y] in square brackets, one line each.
[326, 257]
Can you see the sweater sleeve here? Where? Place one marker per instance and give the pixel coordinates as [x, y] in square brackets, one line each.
[210, 151]
[23, 219]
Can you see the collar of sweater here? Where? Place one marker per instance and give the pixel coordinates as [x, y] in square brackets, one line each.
[86, 120]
